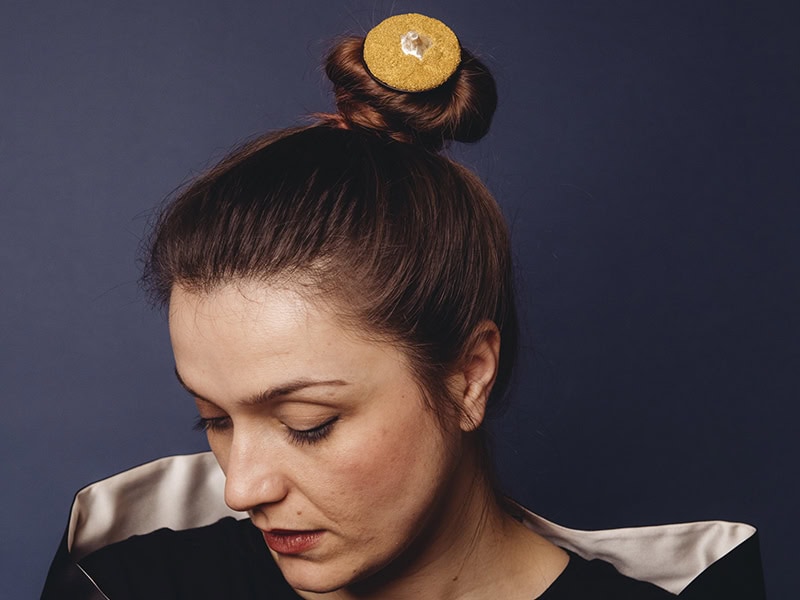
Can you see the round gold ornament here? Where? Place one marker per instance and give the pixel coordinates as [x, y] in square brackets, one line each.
[412, 52]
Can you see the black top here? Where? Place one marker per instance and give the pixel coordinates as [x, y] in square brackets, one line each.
[230, 560]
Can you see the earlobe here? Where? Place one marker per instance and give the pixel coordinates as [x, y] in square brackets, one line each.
[473, 407]
[479, 372]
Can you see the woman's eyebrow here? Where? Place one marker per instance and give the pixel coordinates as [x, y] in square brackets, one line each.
[271, 393]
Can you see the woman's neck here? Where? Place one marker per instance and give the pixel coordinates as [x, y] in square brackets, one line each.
[472, 549]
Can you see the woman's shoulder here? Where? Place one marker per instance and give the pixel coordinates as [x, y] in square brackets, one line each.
[227, 559]
[736, 575]
[599, 580]
[703, 559]
[173, 498]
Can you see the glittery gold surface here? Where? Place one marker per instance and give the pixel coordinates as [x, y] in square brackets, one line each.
[387, 62]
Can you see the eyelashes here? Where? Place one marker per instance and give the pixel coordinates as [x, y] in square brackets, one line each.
[214, 424]
[297, 436]
[313, 435]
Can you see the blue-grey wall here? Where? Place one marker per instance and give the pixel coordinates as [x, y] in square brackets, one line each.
[645, 153]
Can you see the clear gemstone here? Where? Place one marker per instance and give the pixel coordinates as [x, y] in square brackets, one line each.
[415, 44]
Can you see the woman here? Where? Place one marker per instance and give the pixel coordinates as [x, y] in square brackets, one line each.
[341, 309]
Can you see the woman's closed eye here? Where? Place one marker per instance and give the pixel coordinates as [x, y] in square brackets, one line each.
[212, 424]
[313, 434]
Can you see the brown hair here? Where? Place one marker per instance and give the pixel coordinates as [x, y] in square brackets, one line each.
[409, 245]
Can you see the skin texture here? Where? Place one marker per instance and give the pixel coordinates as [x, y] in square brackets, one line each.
[400, 501]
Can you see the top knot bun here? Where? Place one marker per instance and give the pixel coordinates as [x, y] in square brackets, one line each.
[461, 109]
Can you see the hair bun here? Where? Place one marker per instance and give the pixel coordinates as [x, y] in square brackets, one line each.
[461, 109]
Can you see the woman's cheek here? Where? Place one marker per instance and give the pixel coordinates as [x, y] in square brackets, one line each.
[367, 466]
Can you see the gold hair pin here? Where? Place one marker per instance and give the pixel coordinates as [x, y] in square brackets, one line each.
[412, 52]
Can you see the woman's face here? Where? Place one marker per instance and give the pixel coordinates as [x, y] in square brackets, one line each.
[324, 437]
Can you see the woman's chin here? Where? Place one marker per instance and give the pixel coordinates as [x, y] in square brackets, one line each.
[317, 577]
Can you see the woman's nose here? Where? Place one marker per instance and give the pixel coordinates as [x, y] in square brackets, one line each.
[252, 477]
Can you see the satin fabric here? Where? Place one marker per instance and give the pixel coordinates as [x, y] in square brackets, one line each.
[185, 492]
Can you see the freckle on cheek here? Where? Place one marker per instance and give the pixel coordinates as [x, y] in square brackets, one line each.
[299, 512]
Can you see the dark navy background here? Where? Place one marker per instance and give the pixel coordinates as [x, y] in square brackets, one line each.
[646, 154]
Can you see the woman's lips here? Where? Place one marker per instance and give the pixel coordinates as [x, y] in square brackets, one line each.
[291, 542]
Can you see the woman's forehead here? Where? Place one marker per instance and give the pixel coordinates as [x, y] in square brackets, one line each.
[295, 301]
[247, 322]
[236, 301]
[252, 326]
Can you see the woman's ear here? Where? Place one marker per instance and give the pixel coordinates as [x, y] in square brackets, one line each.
[477, 374]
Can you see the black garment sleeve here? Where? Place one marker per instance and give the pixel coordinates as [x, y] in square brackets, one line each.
[225, 560]
[65, 579]
[736, 576]
[599, 580]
